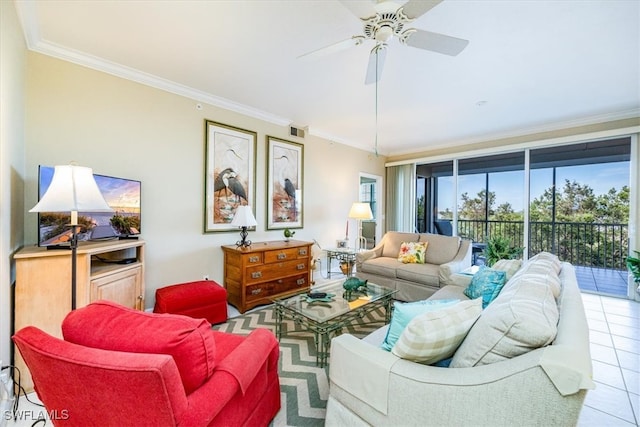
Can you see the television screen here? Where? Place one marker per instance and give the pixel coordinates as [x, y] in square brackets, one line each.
[122, 195]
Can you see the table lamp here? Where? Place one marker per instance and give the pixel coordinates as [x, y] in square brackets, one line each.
[73, 189]
[360, 211]
[244, 218]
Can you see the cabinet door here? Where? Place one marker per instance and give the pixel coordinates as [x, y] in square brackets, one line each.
[123, 287]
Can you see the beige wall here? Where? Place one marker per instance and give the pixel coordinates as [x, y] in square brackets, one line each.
[126, 129]
[12, 81]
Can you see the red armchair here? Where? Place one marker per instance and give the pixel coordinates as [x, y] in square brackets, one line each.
[118, 367]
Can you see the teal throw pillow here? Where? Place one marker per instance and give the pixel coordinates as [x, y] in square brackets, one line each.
[403, 312]
[486, 284]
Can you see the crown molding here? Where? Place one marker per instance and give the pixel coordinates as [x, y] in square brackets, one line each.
[27, 14]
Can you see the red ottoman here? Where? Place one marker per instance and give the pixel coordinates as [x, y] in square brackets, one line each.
[203, 299]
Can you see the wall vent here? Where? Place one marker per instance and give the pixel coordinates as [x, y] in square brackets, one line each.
[297, 131]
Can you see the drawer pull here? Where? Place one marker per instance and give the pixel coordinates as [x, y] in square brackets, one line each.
[256, 291]
[254, 259]
[282, 256]
[280, 281]
[300, 281]
[301, 266]
[302, 252]
[256, 274]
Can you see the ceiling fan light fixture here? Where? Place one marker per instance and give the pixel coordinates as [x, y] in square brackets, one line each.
[384, 33]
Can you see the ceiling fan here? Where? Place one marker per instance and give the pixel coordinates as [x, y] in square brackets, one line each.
[386, 19]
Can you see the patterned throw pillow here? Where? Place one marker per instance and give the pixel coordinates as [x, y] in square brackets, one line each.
[436, 335]
[486, 284]
[412, 252]
[403, 312]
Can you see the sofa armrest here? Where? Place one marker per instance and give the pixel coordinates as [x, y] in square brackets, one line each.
[249, 357]
[461, 261]
[357, 367]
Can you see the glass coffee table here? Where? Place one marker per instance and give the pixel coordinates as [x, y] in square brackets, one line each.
[326, 318]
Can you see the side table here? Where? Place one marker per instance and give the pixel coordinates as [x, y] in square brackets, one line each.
[343, 255]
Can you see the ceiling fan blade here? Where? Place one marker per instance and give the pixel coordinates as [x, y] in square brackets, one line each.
[376, 63]
[333, 48]
[361, 9]
[415, 8]
[435, 42]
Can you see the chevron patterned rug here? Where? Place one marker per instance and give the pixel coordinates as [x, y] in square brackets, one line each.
[304, 386]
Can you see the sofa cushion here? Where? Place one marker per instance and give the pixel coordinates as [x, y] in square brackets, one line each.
[522, 318]
[509, 266]
[442, 249]
[425, 274]
[404, 312]
[435, 335]
[110, 326]
[393, 240]
[486, 284]
[552, 259]
[412, 252]
[383, 266]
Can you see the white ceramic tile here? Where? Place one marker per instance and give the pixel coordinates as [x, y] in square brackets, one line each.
[632, 381]
[622, 320]
[598, 325]
[595, 315]
[627, 360]
[624, 331]
[600, 338]
[626, 344]
[608, 374]
[635, 403]
[604, 354]
[610, 400]
[590, 417]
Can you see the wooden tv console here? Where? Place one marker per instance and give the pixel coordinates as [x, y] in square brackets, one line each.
[43, 284]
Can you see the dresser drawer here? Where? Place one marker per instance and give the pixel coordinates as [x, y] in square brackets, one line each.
[253, 259]
[275, 287]
[285, 254]
[266, 272]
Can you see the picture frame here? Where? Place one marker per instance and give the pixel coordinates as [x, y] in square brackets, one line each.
[285, 174]
[229, 174]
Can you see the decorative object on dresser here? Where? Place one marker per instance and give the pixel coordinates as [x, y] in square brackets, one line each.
[257, 274]
[43, 294]
[72, 189]
[244, 218]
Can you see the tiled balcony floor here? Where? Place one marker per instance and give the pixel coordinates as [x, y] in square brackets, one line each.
[602, 280]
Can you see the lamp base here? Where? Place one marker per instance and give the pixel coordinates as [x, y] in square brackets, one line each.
[244, 242]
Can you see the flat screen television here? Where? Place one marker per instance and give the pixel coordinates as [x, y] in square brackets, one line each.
[122, 195]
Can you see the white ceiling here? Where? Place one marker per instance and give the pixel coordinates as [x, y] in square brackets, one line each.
[536, 65]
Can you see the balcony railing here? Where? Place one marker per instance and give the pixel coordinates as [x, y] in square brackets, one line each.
[581, 244]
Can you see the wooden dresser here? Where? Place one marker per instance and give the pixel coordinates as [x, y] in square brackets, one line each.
[266, 270]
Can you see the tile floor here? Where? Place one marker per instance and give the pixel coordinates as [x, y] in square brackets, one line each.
[614, 325]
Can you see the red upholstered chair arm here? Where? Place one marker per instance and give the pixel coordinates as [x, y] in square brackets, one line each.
[69, 377]
[245, 361]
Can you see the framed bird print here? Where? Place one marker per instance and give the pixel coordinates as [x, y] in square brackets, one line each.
[230, 174]
[285, 202]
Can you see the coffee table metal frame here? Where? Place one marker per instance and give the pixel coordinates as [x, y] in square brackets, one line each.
[339, 315]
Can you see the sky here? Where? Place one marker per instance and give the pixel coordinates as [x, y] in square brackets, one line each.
[508, 186]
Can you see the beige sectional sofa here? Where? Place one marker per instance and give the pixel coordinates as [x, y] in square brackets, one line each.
[445, 256]
[503, 377]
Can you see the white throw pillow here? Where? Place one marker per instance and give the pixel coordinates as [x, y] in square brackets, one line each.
[435, 335]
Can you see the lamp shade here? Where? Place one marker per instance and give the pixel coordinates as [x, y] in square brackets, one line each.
[244, 217]
[72, 188]
[360, 211]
